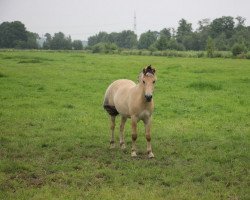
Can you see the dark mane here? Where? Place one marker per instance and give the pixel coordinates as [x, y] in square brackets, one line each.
[149, 69]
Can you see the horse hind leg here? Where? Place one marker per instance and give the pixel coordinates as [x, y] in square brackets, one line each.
[122, 141]
[111, 110]
[112, 129]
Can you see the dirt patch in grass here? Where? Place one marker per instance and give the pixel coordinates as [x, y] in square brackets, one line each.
[201, 71]
[30, 61]
[69, 106]
[205, 86]
[2, 75]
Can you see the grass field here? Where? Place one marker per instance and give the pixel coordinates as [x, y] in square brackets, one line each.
[54, 133]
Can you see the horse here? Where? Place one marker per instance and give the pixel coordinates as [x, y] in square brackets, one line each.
[134, 101]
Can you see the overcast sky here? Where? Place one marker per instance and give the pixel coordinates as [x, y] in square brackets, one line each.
[83, 18]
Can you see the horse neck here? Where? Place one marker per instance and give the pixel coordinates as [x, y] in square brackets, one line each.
[141, 95]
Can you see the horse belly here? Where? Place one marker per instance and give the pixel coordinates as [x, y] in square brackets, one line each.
[121, 103]
[121, 96]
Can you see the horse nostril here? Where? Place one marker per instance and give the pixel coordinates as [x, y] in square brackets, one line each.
[148, 97]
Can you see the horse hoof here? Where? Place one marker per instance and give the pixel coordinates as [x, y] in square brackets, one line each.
[123, 146]
[133, 154]
[151, 155]
[112, 146]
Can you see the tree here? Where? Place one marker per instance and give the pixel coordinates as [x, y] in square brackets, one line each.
[240, 22]
[92, 40]
[184, 32]
[241, 36]
[100, 37]
[47, 43]
[113, 37]
[203, 24]
[174, 45]
[32, 40]
[166, 32]
[221, 42]
[12, 33]
[59, 41]
[127, 39]
[223, 24]
[162, 43]
[147, 39]
[77, 45]
[183, 29]
[202, 33]
[164, 37]
[193, 41]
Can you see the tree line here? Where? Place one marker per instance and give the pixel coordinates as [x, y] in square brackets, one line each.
[220, 34]
[15, 35]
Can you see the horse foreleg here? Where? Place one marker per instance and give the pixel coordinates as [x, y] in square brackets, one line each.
[122, 143]
[134, 136]
[112, 128]
[148, 137]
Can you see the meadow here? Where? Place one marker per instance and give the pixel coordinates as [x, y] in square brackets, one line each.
[54, 132]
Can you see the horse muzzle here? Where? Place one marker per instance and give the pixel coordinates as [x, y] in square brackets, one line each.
[148, 97]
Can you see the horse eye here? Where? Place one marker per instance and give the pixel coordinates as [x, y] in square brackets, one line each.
[143, 82]
[153, 81]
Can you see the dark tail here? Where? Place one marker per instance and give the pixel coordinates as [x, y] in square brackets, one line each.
[111, 110]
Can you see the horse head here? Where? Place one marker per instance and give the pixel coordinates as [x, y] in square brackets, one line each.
[147, 79]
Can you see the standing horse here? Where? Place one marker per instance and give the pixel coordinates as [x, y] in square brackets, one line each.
[133, 101]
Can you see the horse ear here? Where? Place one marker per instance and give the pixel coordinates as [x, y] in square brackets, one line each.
[144, 71]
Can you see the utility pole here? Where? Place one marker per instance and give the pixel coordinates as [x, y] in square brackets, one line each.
[135, 22]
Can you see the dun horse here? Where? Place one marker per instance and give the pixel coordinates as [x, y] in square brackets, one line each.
[133, 101]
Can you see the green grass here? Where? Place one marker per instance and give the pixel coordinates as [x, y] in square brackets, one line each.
[54, 133]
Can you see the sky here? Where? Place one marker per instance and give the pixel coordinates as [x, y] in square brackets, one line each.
[84, 18]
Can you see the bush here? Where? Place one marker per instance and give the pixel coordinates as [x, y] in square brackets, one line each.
[248, 55]
[241, 56]
[200, 54]
[216, 54]
[110, 47]
[239, 49]
[135, 52]
[146, 53]
[157, 53]
[124, 52]
[152, 48]
[98, 48]
[104, 48]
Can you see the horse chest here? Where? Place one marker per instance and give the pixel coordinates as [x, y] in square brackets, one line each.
[144, 114]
